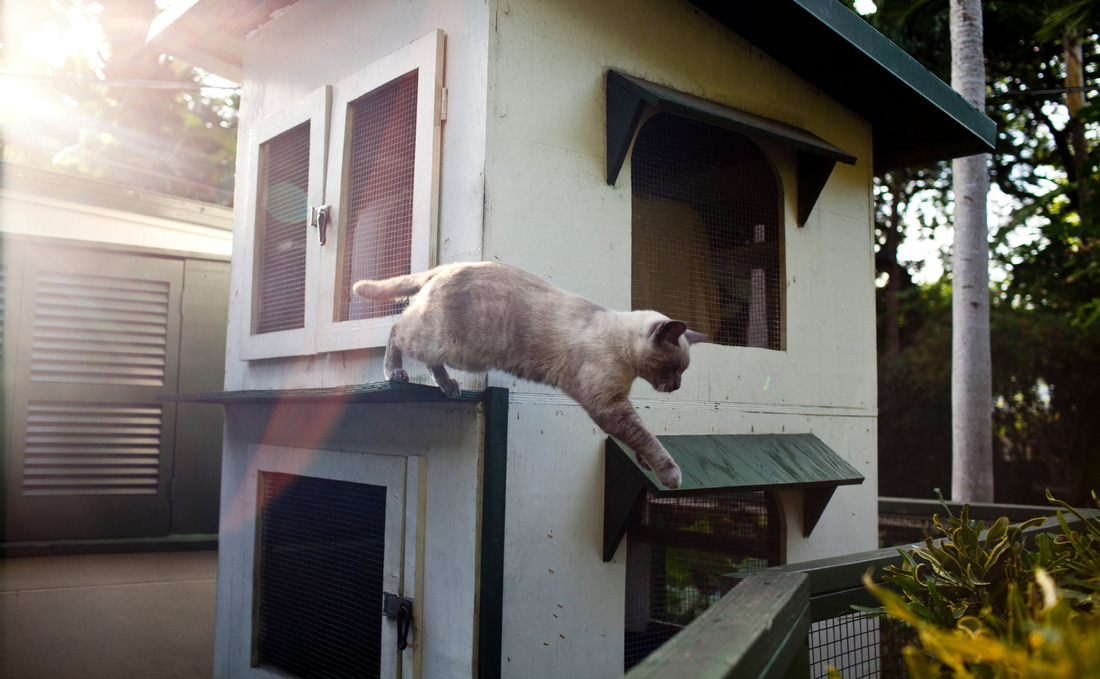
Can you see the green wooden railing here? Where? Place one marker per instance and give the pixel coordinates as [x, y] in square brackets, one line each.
[760, 628]
[752, 632]
[907, 520]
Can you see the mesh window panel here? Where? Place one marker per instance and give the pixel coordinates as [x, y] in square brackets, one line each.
[380, 193]
[678, 548]
[902, 529]
[706, 231]
[859, 646]
[319, 596]
[281, 233]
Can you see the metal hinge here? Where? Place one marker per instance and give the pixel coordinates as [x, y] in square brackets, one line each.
[443, 105]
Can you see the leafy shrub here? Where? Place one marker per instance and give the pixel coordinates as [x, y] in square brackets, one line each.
[998, 606]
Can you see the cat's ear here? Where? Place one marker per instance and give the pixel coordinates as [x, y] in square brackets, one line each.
[669, 331]
[692, 337]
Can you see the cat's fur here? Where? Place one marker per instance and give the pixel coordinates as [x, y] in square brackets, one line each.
[487, 316]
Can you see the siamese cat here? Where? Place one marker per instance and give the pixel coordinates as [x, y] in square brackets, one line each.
[484, 316]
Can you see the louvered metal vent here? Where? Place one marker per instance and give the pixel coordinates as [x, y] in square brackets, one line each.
[90, 449]
[321, 546]
[380, 180]
[281, 232]
[99, 330]
[706, 245]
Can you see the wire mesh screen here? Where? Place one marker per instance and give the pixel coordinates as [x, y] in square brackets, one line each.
[380, 193]
[706, 243]
[903, 529]
[319, 594]
[678, 549]
[280, 272]
[859, 646]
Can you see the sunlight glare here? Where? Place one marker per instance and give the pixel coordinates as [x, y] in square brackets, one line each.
[83, 38]
[866, 7]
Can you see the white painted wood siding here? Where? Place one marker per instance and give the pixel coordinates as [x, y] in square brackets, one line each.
[549, 210]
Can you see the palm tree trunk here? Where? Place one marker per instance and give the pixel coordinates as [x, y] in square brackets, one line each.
[971, 370]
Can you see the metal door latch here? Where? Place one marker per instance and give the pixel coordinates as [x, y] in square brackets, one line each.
[319, 218]
[401, 608]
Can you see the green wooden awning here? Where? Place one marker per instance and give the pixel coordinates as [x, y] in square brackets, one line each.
[723, 462]
[628, 97]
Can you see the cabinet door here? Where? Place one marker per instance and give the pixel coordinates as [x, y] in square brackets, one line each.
[371, 187]
[281, 245]
[383, 176]
[90, 446]
[328, 535]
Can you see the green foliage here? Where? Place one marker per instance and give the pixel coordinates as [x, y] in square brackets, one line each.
[996, 606]
[1045, 318]
[128, 116]
[915, 398]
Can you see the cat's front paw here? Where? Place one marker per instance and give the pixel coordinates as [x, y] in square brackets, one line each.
[399, 375]
[670, 476]
[450, 388]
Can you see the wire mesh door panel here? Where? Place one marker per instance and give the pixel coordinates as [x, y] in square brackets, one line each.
[321, 549]
[328, 539]
[383, 179]
[381, 163]
[287, 151]
[281, 232]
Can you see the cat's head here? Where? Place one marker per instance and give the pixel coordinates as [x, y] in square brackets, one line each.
[665, 355]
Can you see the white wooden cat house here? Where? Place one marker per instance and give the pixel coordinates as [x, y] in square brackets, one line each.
[711, 160]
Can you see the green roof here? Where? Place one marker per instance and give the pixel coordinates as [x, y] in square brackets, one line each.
[916, 118]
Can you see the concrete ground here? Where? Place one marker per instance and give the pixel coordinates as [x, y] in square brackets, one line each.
[115, 616]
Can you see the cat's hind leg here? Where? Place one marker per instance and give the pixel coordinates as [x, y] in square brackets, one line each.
[445, 381]
[392, 364]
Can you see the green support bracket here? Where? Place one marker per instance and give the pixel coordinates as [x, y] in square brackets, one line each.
[814, 501]
[621, 492]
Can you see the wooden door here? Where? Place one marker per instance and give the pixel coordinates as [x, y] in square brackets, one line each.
[325, 536]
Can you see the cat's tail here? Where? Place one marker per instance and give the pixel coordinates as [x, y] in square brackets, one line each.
[397, 287]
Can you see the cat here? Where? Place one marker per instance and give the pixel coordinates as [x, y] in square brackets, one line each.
[482, 316]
